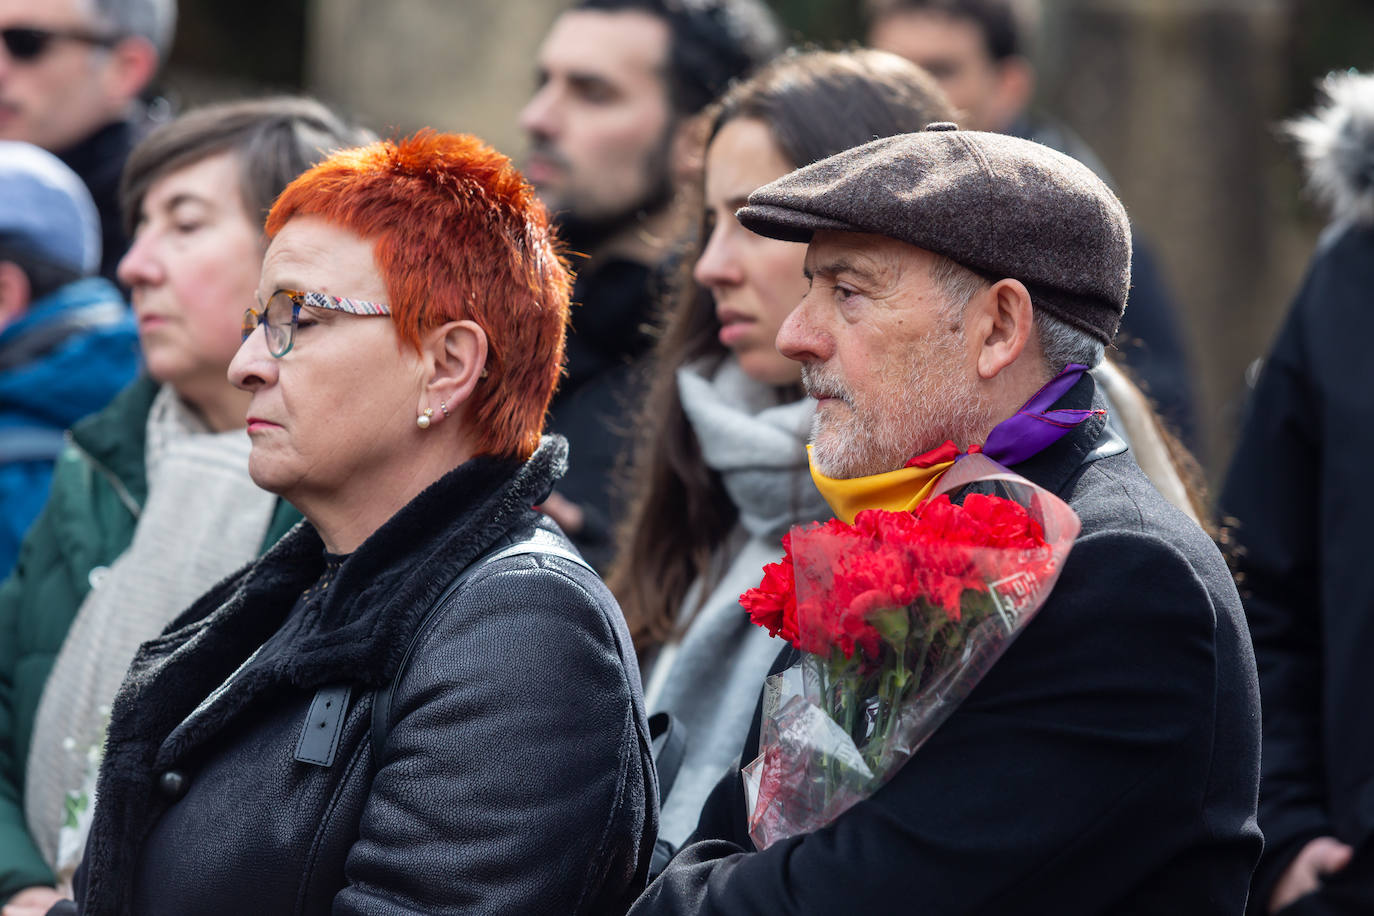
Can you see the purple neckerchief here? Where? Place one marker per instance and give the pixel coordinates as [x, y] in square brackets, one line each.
[1035, 427]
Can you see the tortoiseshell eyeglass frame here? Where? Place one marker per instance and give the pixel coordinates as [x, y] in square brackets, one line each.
[280, 333]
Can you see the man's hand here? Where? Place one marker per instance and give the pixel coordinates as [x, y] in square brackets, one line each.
[1319, 858]
[568, 515]
[31, 901]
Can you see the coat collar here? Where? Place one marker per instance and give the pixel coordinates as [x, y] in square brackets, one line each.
[116, 437]
[1058, 466]
[354, 632]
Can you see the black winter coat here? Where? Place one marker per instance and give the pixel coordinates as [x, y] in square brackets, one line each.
[594, 407]
[516, 776]
[99, 160]
[1108, 763]
[1298, 494]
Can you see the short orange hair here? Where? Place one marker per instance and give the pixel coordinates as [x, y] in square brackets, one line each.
[458, 234]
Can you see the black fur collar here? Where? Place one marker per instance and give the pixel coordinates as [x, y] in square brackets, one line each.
[356, 631]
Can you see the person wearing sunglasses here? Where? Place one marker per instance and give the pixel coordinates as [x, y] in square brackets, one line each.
[151, 501]
[421, 700]
[71, 73]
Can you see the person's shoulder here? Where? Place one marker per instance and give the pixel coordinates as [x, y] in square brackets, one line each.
[1339, 279]
[1114, 496]
[1137, 544]
[1345, 240]
[538, 583]
[536, 621]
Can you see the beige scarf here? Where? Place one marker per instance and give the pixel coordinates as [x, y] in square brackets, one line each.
[203, 519]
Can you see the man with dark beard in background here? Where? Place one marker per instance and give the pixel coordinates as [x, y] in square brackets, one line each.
[610, 127]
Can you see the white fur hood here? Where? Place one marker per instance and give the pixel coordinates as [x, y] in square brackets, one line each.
[1337, 146]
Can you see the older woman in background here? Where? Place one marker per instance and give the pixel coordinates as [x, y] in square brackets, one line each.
[721, 470]
[421, 701]
[151, 502]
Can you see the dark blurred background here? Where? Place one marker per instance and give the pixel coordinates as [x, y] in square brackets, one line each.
[1180, 98]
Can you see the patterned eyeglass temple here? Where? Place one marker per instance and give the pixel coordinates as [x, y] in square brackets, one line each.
[338, 303]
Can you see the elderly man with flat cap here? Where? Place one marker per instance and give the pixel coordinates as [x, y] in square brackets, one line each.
[1109, 762]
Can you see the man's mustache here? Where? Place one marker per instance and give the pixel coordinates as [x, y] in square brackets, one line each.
[543, 148]
[817, 383]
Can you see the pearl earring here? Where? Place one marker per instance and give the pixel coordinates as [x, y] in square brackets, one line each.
[422, 420]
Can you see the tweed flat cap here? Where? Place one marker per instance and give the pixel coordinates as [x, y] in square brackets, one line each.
[1000, 205]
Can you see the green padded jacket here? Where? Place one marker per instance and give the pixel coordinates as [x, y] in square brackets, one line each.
[98, 489]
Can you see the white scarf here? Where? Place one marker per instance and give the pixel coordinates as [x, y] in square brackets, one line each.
[203, 519]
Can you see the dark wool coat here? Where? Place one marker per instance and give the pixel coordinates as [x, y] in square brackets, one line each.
[1296, 495]
[1108, 763]
[99, 160]
[516, 775]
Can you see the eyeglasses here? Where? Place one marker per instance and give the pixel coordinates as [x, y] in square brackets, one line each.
[27, 43]
[281, 315]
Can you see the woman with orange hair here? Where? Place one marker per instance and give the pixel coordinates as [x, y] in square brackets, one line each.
[421, 700]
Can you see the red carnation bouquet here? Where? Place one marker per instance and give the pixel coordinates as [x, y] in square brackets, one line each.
[898, 615]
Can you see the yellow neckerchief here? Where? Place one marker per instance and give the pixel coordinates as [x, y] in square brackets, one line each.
[897, 491]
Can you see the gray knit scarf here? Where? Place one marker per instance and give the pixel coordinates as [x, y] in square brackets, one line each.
[709, 674]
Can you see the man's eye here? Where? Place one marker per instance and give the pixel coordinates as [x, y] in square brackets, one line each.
[595, 92]
[942, 70]
[186, 227]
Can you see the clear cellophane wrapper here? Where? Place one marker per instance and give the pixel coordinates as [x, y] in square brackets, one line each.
[835, 729]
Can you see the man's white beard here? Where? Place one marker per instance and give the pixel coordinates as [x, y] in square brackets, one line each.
[933, 403]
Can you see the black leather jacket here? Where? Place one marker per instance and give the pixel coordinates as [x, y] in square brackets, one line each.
[516, 775]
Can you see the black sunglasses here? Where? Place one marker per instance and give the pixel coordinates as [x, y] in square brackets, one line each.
[26, 43]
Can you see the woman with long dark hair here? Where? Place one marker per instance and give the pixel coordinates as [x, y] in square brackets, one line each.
[720, 471]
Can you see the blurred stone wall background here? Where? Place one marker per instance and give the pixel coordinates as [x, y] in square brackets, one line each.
[1179, 98]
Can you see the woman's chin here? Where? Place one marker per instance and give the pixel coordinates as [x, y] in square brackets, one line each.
[269, 474]
[769, 367]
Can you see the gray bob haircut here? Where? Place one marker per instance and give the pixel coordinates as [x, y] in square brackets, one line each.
[273, 140]
[155, 20]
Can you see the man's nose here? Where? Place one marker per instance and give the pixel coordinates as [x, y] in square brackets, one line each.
[798, 338]
[539, 117]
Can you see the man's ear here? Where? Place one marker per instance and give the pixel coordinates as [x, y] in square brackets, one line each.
[15, 293]
[1001, 321]
[1015, 88]
[455, 361]
[688, 150]
[132, 64]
